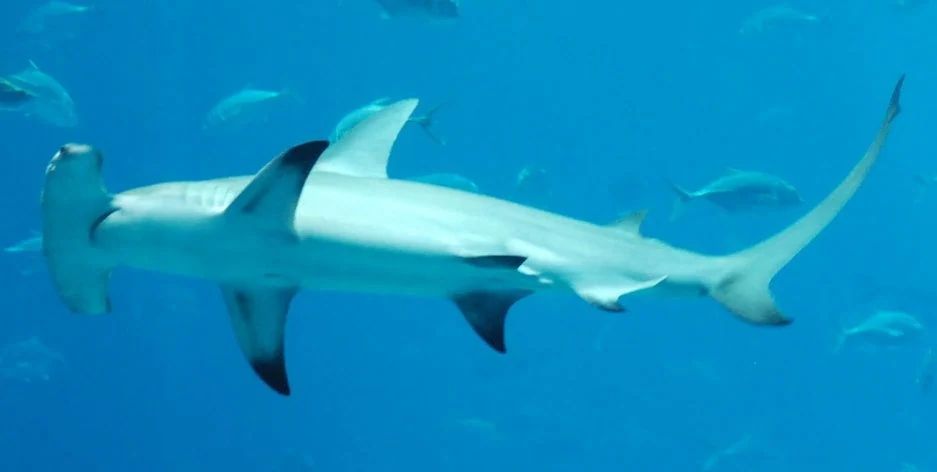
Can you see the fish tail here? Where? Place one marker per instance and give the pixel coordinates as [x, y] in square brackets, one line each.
[682, 197]
[426, 122]
[742, 286]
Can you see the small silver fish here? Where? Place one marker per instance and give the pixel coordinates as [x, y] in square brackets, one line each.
[350, 120]
[245, 107]
[50, 103]
[12, 96]
[422, 8]
[926, 180]
[908, 5]
[46, 16]
[31, 244]
[884, 328]
[532, 186]
[29, 361]
[721, 456]
[741, 190]
[528, 174]
[775, 17]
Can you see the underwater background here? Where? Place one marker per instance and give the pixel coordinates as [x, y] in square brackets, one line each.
[608, 101]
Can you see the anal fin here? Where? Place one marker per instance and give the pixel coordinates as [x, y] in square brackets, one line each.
[258, 316]
[486, 313]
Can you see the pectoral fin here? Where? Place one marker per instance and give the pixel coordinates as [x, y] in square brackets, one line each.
[487, 311]
[258, 315]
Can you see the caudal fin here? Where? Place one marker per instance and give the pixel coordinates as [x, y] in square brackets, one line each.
[682, 197]
[426, 121]
[743, 288]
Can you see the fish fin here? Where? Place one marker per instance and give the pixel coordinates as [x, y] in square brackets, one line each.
[743, 287]
[365, 149]
[274, 192]
[258, 316]
[426, 122]
[496, 262]
[486, 312]
[33, 65]
[74, 202]
[606, 295]
[682, 197]
[630, 223]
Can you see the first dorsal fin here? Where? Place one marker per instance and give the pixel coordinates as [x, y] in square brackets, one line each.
[630, 223]
[364, 150]
[274, 192]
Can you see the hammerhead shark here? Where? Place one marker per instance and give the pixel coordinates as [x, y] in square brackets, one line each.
[326, 216]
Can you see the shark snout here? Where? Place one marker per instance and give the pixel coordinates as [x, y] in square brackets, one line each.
[77, 157]
[74, 148]
[74, 169]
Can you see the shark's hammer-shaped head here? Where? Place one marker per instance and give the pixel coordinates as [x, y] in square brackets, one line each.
[75, 169]
[74, 203]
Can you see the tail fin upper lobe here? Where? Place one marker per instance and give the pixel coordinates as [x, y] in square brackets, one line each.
[743, 288]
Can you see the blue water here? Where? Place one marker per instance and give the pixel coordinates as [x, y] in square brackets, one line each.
[612, 99]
